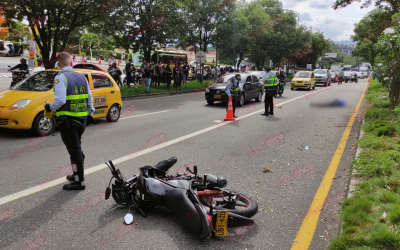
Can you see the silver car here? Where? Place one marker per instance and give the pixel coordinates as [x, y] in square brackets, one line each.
[322, 76]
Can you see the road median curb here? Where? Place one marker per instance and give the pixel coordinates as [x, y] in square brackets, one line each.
[162, 94]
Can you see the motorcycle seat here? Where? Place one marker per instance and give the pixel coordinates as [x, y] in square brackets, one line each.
[165, 165]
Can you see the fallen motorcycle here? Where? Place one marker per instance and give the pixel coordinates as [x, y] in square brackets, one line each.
[201, 204]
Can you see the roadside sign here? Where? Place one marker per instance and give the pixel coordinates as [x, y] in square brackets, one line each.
[200, 57]
[330, 55]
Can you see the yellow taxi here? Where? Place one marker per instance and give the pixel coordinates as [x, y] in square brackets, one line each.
[303, 80]
[22, 106]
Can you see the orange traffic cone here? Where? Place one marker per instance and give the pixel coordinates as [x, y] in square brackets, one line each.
[118, 63]
[99, 60]
[229, 114]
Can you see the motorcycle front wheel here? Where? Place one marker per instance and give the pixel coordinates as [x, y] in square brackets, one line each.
[242, 205]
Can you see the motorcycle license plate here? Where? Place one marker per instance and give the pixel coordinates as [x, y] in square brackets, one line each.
[222, 223]
[217, 96]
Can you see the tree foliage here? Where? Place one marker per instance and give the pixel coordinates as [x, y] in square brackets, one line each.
[55, 20]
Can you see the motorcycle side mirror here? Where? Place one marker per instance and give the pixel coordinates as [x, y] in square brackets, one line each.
[194, 170]
[108, 192]
[128, 218]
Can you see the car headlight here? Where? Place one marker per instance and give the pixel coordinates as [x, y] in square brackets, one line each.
[293, 81]
[207, 90]
[20, 104]
[306, 81]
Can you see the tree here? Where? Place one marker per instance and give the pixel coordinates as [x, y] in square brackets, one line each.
[388, 54]
[90, 39]
[55, 21]
[18, 30]
[387, 5]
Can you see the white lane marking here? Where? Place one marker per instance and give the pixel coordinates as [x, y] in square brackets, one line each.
[5, 74]
[32, 190]
[145, 114]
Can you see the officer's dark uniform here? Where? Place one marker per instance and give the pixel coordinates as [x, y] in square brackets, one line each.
[129, 73]
[232, 88]
[270, 86]
[73, 104]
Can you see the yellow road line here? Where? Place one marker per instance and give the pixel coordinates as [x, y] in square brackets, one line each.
[307, 229]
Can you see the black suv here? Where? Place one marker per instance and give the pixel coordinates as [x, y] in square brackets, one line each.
[250, 88]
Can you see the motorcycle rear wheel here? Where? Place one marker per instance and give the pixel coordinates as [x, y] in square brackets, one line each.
[244, 205]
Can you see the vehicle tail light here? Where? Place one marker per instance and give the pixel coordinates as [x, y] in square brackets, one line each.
[5, 48]
[210, 221]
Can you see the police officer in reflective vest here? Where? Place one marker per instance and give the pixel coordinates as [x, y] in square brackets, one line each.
[232, 89]
[74, 109]
[270, 86]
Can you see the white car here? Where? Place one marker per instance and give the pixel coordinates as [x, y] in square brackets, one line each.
[5, 48]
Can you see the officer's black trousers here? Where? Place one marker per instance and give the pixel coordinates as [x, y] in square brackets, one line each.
[72, 139]
[269, 103]
[234, 101]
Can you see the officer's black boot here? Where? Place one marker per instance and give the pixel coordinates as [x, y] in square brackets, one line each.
[265, 108]
[71, 177]
[79, 183]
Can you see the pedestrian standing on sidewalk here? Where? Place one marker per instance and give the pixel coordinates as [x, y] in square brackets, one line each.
[123, 56]
[180, 73]
[142, 67]
[176, 76]
[129, 73]
[147, 71]
[158, 74]
[168, 73]
[185, 73]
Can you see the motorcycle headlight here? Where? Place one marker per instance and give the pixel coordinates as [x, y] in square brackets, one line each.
[20, 104]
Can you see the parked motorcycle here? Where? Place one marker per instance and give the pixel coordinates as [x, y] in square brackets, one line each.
[17, 76]
[354, 78]
[201, 204]
[125, 78]
[99, 56]
[281, 88]
[346, 79]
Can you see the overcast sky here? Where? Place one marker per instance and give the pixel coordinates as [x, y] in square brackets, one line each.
[337, 26]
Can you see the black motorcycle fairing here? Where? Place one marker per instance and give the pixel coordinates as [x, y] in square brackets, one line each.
[235, 220]
[164, 166]
[189, 214]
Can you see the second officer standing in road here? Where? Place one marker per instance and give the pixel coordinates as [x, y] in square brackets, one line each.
[270, 86]
[74, 108]
[232, 89]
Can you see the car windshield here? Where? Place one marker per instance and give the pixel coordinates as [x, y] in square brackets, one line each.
[320, 71]
[346, 69]
[302, 75]
[223, 80]
[364, 70]
[40, 81]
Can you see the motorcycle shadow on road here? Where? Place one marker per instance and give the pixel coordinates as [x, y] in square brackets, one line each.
[162, 219]
[14, 229]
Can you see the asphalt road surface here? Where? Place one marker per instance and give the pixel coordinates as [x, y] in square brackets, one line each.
[40, 212]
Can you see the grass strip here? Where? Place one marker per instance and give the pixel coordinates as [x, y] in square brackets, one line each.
[140, 89]
[371, 218]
